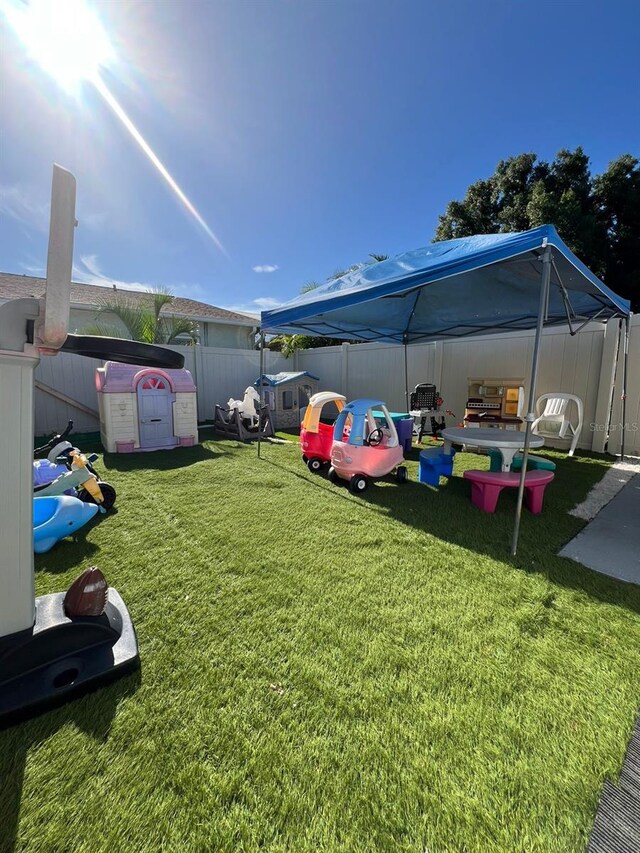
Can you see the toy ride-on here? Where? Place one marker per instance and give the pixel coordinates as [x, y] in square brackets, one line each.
[365, 445]
[68, 471]
[316, 437]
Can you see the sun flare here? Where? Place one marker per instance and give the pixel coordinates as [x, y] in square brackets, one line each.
[66, 38]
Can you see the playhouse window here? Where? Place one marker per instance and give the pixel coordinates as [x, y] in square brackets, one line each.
[287, 399]
[153, 382]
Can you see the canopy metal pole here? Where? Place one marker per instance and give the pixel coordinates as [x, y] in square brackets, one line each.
[530, 416]
[261, 390]
[627, 329]
[406, 378]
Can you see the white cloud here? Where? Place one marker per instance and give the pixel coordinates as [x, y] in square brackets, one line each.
[254, 306]
[265, 268]
[24, 206]
[32, 209]
[89, 272]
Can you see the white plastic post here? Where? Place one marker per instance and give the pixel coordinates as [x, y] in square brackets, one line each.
[18, 361]
[52, 332]
[17, 609]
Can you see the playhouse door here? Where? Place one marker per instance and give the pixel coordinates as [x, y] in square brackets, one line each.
[155, 412]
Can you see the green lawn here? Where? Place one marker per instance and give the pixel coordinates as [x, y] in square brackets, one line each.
[324, 672]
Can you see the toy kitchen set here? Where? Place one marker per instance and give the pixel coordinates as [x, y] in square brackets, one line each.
[495, 403]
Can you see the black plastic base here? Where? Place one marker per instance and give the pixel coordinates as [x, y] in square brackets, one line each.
[60, 657]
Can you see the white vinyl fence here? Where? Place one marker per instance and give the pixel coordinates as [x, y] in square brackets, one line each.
[585, 364]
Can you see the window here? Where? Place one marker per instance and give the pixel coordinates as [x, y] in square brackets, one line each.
[154, 382]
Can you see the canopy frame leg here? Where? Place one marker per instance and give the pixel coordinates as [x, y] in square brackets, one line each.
[261, 390]
[530, 416]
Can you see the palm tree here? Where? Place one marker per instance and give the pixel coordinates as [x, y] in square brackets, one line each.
[143, 319]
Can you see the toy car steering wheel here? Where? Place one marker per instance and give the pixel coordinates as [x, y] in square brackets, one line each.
[375, 437]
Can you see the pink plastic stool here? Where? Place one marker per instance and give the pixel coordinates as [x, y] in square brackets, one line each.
[487, 485]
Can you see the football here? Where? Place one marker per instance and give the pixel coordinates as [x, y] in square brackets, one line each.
[87, 595]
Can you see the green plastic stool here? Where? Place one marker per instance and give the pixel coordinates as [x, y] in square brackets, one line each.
[534, 463]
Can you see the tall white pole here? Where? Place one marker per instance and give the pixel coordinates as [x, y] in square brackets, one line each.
[18, 360]
[17, 609]
[530, 416]
[261, 391]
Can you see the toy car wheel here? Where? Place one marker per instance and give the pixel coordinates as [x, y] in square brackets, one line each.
[401, 474]
[358, 484]
[305, 459]
[314, 464]
[108, 493]
[333, 476]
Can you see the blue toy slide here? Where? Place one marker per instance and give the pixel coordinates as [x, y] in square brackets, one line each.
[58, 516]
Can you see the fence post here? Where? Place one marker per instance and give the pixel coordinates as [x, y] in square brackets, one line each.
[438, 365]
[198, 371]
[605, 387]
[345, 369]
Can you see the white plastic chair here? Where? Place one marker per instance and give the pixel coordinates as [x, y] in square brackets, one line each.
[553, 421]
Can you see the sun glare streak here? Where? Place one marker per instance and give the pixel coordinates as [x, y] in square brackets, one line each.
[68, 40]
[155, 160]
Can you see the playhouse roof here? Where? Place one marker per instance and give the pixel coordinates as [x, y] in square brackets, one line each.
[119, 378]
[284, 377]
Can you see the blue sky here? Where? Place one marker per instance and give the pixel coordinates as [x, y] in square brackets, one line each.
[307, 133]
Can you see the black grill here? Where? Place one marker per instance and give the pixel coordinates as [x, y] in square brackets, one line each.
[423, 397]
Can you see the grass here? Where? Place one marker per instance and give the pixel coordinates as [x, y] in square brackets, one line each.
[328, 672]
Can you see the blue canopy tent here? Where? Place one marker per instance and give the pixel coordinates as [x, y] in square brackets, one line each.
[455, 289]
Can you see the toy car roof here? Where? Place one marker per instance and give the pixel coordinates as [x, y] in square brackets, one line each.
[361, 407]
[323, 397]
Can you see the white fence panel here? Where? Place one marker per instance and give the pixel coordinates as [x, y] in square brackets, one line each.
[75, 377]
[377, 370]
[372, 370]
[568, 364]
[221, 374]
[632, 414]
[328, 363]
[582, 365]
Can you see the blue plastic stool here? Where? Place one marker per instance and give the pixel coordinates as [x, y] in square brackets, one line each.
[404, 427]
[534, 463]
[434, 464]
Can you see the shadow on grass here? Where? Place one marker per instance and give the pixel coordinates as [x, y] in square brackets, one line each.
[92, 713]
[447, 513]
[161, 460]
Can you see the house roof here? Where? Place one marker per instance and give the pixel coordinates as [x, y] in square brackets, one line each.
[14, 286]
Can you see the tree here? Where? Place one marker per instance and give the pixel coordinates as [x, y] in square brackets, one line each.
[290, 344]
[143, 319]
[598, 217]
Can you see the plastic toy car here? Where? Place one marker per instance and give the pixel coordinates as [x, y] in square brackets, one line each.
[68, 471]
[316, 438]
[365, 445]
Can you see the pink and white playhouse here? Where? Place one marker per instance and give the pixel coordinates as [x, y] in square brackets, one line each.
[144, 408]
